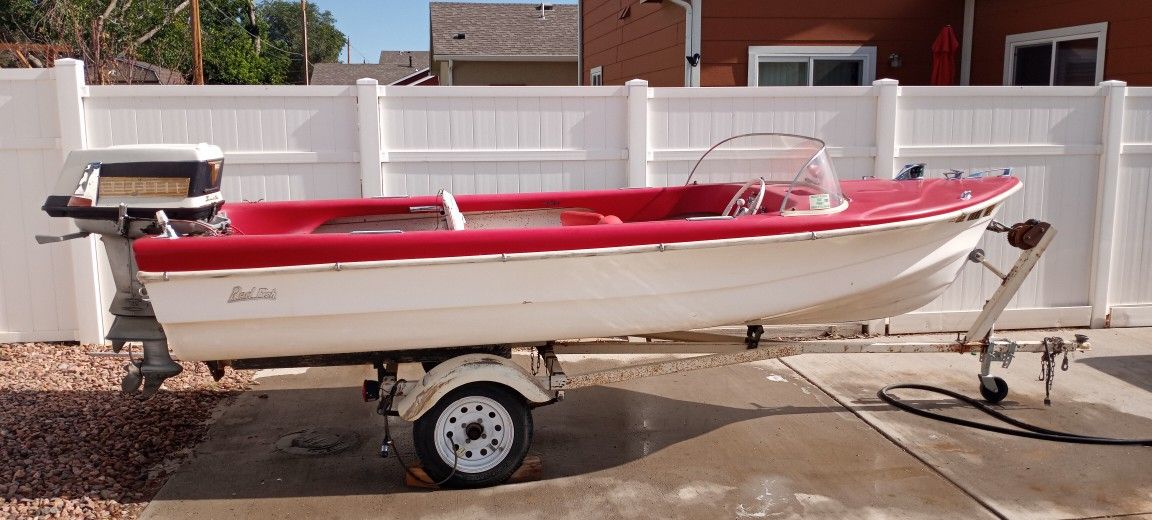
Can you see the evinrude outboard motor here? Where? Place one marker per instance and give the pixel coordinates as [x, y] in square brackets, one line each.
[123, 193]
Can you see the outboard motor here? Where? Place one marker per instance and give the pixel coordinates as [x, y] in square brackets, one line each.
[123, 193]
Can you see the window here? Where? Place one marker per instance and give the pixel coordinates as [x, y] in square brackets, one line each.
[1067, 56]
[779, 66]
[597, 76]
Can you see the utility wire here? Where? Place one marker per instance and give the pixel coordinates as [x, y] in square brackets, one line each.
[357, 50]
[244, 26]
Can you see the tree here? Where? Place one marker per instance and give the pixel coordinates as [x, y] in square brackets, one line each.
[244, 42]
[233, 48]
[100, 31]
[284, 33]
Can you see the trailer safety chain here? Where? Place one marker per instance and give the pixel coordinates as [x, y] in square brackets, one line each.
[388, 444]
[1026, 430]
[1052, 347]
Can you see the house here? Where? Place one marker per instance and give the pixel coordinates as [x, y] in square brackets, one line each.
[395, 67]
[504, 44]
[826, 42]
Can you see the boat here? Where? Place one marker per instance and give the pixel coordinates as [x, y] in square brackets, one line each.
[792, 244]
[455, 282]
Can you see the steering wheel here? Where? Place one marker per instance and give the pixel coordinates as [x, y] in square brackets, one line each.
[452, 213]
[735, 209]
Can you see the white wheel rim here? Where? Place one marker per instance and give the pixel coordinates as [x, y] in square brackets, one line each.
[474, 416]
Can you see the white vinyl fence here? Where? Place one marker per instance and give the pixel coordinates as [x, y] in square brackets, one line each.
[1084, 153]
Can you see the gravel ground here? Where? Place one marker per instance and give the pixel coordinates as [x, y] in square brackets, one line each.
[72, 446]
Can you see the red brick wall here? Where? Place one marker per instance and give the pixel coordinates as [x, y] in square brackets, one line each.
[1128, 55]
[648, 44]
[905, 27]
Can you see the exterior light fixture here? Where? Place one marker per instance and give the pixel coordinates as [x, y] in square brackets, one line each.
[895, 61]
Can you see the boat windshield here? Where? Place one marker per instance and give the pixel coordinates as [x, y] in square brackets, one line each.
[797, 172]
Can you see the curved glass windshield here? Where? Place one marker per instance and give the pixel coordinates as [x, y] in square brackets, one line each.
[797, 171]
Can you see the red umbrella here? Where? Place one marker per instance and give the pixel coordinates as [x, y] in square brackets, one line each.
[944, 57]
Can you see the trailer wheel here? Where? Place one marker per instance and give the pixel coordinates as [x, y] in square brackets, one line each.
[994, 397]
[475, 436]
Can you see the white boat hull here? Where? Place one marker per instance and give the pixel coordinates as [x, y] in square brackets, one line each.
[842, 275]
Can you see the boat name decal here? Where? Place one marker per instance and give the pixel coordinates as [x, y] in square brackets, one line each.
[239, 294]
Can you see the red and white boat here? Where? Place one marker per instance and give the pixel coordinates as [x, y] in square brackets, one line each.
[454, 283]
[792, 245]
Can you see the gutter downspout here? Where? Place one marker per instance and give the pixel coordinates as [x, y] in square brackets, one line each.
[966, 46]
[580, 42]
[697, 16]
[691, 39]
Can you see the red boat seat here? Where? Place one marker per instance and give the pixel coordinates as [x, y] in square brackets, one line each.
[586, 218]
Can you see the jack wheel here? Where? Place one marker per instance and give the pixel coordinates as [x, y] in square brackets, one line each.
[993, 397]
[481, 430]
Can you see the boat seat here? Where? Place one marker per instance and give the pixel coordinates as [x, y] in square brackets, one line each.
[587, 218]
[452, 214]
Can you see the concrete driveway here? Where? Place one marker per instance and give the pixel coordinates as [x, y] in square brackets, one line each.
[801, 437]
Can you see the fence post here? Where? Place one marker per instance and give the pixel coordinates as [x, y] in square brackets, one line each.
[637, 133]
[1107, 193]
[70, 92]
[368, 107]
[887, 92]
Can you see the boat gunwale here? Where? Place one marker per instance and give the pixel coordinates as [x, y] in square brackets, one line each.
[162, 276]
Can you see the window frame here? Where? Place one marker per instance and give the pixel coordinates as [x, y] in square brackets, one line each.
[866, 54]
[1052, 37]
[594, 74]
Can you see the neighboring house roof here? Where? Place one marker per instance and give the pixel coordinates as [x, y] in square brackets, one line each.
[131, 72]
[504, 29]
[408, 59]
[393, 66]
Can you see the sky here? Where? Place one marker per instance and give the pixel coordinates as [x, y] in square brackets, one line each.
[393, 25]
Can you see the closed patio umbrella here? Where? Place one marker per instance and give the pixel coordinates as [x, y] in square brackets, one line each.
[944, 57]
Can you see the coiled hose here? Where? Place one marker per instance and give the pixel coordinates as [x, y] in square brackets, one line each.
[1027, 430]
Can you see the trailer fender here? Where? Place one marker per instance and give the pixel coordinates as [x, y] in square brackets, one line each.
[462, 370]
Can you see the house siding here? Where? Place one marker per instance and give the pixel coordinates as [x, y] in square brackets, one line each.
[484, 73]
[1129, 42]
[648, 44]
[904, 27]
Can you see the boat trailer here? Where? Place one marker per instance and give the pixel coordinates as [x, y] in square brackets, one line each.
[472, 409]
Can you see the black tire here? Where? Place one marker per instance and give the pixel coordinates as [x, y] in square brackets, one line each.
[993, 397]
[428, 365]
[438, 469]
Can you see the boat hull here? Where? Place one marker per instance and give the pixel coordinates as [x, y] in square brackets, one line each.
[820, 277]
